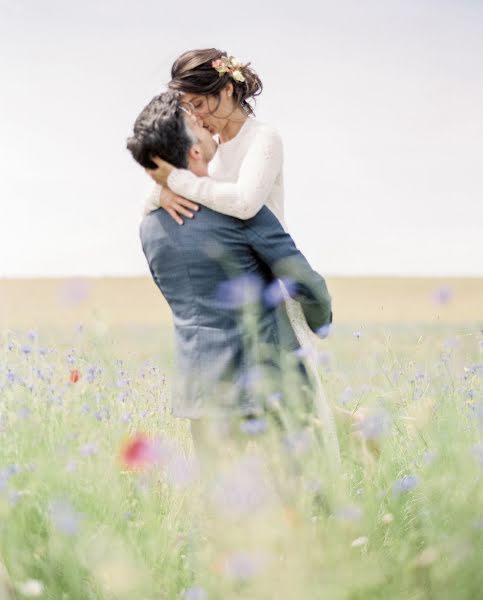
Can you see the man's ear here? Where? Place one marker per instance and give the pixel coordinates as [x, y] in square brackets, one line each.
[195, 152]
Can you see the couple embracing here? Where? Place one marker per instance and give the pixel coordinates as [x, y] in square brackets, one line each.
[246, 304]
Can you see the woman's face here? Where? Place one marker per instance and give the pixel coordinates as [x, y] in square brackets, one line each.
[214, 111]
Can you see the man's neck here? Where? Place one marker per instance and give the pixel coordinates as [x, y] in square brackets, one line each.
[198, 167]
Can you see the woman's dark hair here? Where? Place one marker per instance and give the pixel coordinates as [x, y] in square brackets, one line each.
[160, 130]
[194, 73]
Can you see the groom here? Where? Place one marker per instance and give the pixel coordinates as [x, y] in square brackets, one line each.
[220, 277]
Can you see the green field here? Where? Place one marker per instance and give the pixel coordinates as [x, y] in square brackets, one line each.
[403, 519]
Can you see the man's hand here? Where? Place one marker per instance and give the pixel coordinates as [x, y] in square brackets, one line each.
[161, 173]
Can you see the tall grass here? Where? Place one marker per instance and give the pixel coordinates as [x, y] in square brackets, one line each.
[403, 521]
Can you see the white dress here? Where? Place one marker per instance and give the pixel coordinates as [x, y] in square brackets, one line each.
[246, 173]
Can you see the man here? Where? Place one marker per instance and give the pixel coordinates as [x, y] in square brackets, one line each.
[215, 272]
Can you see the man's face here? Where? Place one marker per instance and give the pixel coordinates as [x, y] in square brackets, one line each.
[206, 143]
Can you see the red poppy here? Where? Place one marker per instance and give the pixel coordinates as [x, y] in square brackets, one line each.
[74, 376]
[138, 452]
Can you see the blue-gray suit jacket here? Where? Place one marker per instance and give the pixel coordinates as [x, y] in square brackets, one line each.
[194, 265]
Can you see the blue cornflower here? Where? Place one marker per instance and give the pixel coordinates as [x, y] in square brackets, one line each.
[477, 452]
[239, 291]
[405, 484]
[14, 497]
[92, 373]
[195, 593]
[280, 289]
[375, 426]
[346, 396]
[13, 469]
[253, 426]
[324, 331]
[23, 412]
[64, 517]
[349, 513]
[443, 295]
[243, 565]
[70, 358]
[126, 418]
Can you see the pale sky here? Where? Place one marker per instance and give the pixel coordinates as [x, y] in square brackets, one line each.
[379, 103]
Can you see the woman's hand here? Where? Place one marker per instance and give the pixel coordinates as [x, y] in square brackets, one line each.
[162, 172]
[174, 204]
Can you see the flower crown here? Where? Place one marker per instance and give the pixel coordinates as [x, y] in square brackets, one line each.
[229, 65]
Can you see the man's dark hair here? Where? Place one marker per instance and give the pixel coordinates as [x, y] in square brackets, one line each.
[160, 130]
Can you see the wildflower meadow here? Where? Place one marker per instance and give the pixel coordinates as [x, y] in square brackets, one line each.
[103, 497]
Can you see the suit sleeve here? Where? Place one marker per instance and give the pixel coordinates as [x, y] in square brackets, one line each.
[278, 251]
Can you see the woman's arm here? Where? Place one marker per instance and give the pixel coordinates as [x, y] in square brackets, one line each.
[243, 199]
[163, 197]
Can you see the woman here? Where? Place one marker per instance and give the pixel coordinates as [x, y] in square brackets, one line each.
[245, 173]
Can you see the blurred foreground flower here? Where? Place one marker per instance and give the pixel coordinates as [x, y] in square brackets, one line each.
[387, 519]
[349, 514]
[443, 295]
[243, 565]
[253, 425]
[74, 376]
[139, 452]
[195, 593]
[276, 292]
[477, 452]
[405, 484]
[32, 588]
[375, 426]
[239, 291]
[64, 517]
[359, 542]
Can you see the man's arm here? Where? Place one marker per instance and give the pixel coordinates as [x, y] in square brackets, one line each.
[278, 251]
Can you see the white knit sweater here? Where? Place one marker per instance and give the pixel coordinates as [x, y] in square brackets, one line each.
[245, 173]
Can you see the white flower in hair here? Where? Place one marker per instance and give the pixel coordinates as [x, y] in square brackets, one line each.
[229, 65]
[237, 75]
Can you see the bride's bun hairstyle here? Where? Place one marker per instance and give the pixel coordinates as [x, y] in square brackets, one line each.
[206, 72]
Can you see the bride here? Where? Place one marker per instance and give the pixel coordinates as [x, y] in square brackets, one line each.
[245, 173]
